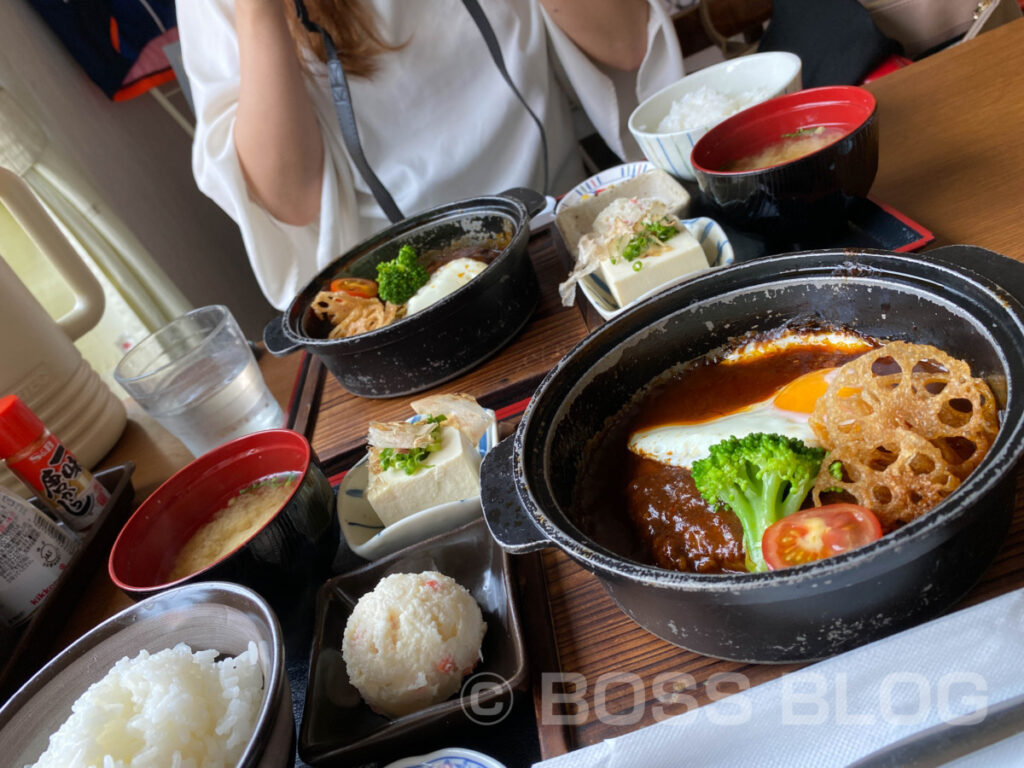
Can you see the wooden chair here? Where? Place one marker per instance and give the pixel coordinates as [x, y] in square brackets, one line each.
[716, 22]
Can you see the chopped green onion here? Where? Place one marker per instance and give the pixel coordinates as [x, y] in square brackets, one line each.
[412, 461]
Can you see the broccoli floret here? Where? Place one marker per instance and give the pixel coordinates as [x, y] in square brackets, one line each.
[400, 278]
[762, 478]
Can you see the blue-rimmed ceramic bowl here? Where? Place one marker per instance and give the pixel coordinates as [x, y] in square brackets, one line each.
[712, 239]
[369, 538]
[599, 182]
[452, 757]
[749, 79]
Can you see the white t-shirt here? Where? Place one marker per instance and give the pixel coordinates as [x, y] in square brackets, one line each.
[437, 121]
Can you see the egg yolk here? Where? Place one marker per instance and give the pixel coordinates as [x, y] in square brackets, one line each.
[803, 392]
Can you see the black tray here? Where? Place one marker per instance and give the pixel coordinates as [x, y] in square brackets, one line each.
[870, 224]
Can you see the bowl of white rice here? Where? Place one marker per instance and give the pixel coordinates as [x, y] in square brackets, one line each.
[667, 124]
[194, 676]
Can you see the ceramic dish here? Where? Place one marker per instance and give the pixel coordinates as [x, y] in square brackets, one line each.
[574, 221]
[338, 728]
[771, 72]
[599, 182]
[369, 538]
[712, 239]
[453, 757]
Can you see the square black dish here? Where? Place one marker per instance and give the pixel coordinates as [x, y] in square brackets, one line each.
[338, 728]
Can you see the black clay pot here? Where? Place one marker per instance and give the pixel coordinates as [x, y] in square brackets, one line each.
[950, 298]
[449, 337]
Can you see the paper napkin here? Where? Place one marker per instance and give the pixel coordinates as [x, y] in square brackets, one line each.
[842, 709]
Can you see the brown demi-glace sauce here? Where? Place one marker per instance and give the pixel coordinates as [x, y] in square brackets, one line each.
[667, 523]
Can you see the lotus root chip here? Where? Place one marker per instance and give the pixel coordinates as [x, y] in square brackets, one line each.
[351, 315]
[909, 423]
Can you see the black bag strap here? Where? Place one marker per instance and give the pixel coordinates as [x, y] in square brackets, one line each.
[342, 98]
[347, 118]
[487, 32]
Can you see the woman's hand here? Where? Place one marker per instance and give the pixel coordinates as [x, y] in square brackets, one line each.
[277, 136]
[611, 32]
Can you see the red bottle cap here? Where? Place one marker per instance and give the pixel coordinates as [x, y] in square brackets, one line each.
[18, 425]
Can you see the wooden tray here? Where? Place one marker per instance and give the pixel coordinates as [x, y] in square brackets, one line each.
[335, 421]
[618, 677]
[615, 676]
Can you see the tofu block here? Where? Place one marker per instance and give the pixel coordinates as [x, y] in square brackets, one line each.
[450, 473]
[684, 255]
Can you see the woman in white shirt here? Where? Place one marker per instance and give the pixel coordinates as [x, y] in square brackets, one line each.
[436, 120]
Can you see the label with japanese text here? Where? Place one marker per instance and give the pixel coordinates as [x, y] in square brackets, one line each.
[34, 551]
[63, 483]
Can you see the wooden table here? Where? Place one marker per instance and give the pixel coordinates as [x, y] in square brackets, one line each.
[952, 158]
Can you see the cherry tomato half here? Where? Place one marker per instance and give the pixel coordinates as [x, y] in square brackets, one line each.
[355, 286]
[817, 533]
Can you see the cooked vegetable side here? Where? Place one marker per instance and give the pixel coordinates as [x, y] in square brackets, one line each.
[405, 285]
[762, 479]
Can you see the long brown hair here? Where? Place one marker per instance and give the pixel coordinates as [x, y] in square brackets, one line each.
[352, 26]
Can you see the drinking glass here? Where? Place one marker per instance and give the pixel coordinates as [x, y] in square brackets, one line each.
[198, 377]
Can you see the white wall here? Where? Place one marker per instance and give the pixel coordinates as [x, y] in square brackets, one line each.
[138, 159]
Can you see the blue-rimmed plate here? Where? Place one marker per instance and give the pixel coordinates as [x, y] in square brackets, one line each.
[369, 538]
[599, 182]
[709, 234]
[453, 757]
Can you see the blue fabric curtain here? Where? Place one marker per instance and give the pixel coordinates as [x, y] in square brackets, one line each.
[107, 36]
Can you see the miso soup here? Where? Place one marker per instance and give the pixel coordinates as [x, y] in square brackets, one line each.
[235, 523]
[789, 147]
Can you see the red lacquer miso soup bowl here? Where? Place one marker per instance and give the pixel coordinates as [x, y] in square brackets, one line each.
[268, 479]
[789, 166]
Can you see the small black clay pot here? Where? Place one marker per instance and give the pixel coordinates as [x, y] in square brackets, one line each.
[960, 299]
[803, 200]
[449, 337]
[288, 558]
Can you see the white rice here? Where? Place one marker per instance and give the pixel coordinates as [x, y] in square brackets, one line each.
[171, 709]
[708, 106]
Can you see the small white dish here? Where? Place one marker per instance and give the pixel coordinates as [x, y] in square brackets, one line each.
[452, 757]
[369, 538]
[712, 239]
[601, 181]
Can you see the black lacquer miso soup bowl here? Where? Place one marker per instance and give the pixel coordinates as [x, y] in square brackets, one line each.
[789, 167]
[950, 298]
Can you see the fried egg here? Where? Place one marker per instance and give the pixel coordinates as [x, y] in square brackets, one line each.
[447, 279]
[785, 413]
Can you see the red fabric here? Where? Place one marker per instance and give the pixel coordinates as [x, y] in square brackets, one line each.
[891, 64]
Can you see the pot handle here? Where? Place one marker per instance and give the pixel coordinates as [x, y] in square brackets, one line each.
[276, 342]
[1005, 272]
[534, 201]
[509, 522]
